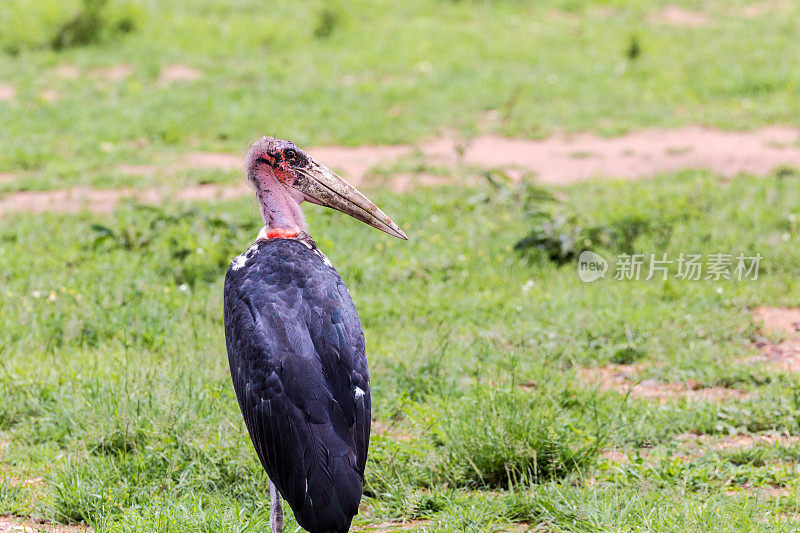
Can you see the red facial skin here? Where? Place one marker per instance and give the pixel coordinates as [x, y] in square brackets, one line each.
[283, 170]
[274, 153]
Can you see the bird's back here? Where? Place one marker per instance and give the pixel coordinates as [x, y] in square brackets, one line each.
[298, 363]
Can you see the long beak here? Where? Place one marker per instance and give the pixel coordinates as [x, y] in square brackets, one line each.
[323, 186]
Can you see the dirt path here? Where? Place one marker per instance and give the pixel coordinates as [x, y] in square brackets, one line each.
[105, 201]
[560, 159]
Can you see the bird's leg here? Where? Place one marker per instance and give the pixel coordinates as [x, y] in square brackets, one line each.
[275, 509]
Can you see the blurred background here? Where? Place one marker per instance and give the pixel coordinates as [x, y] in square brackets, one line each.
[505, 137]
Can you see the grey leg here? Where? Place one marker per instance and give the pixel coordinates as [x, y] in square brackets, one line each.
[275, 509]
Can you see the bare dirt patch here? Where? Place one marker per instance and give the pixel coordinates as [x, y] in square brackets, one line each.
[211, 161]
[178, 73]
[12, 524]
[784, 355]
[390, 525]
[693, 445]
[138, 170]
[762, 491]
[410, 180]
[758, 9]
[638, 154]
[49, 95]
[17, 481]
[211, 191]
[615, 456]
[623, 379]
[7, 177]
[735, 442]
[68, 72]
[635, 155]
[194, 160]
[354, 162]
[389, 430]
[778, 319]
[7, 93]
[113, 73]
[105, 201]
[63, 201]
[678, 16]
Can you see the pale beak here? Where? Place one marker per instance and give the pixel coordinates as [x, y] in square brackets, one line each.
[323, 186]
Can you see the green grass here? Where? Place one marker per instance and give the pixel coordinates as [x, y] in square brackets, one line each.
[116, 389]
[374, 72]
[117, 408]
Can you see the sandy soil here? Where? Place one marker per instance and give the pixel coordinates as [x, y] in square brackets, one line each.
[560, 159]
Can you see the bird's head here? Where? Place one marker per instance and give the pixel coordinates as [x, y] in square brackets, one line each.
[283, 176]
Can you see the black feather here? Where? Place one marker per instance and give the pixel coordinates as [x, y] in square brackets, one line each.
[297, 358]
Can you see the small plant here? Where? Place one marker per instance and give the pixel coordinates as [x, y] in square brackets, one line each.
[560, 235]
[84, 28]
[626, 230]
[626, 355]
[634, 49]
[94, 22]
[327, 19]
[561, 238]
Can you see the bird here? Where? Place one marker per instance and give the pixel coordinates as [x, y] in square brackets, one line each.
[295, 344]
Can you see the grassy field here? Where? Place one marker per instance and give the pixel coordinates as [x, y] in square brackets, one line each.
[117, 395]
[490, 363]
[373, 72]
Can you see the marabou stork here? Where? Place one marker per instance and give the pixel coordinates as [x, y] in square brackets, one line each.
[295, 344]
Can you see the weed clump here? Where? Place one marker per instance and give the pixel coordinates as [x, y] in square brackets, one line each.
[634, 49]
[561, 237]
[84, 28]
[560, 234]
[54, 25]
[92, 23]
[505, 438]
[327, 20]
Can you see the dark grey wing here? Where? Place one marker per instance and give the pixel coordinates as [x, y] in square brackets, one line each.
[299, 368]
